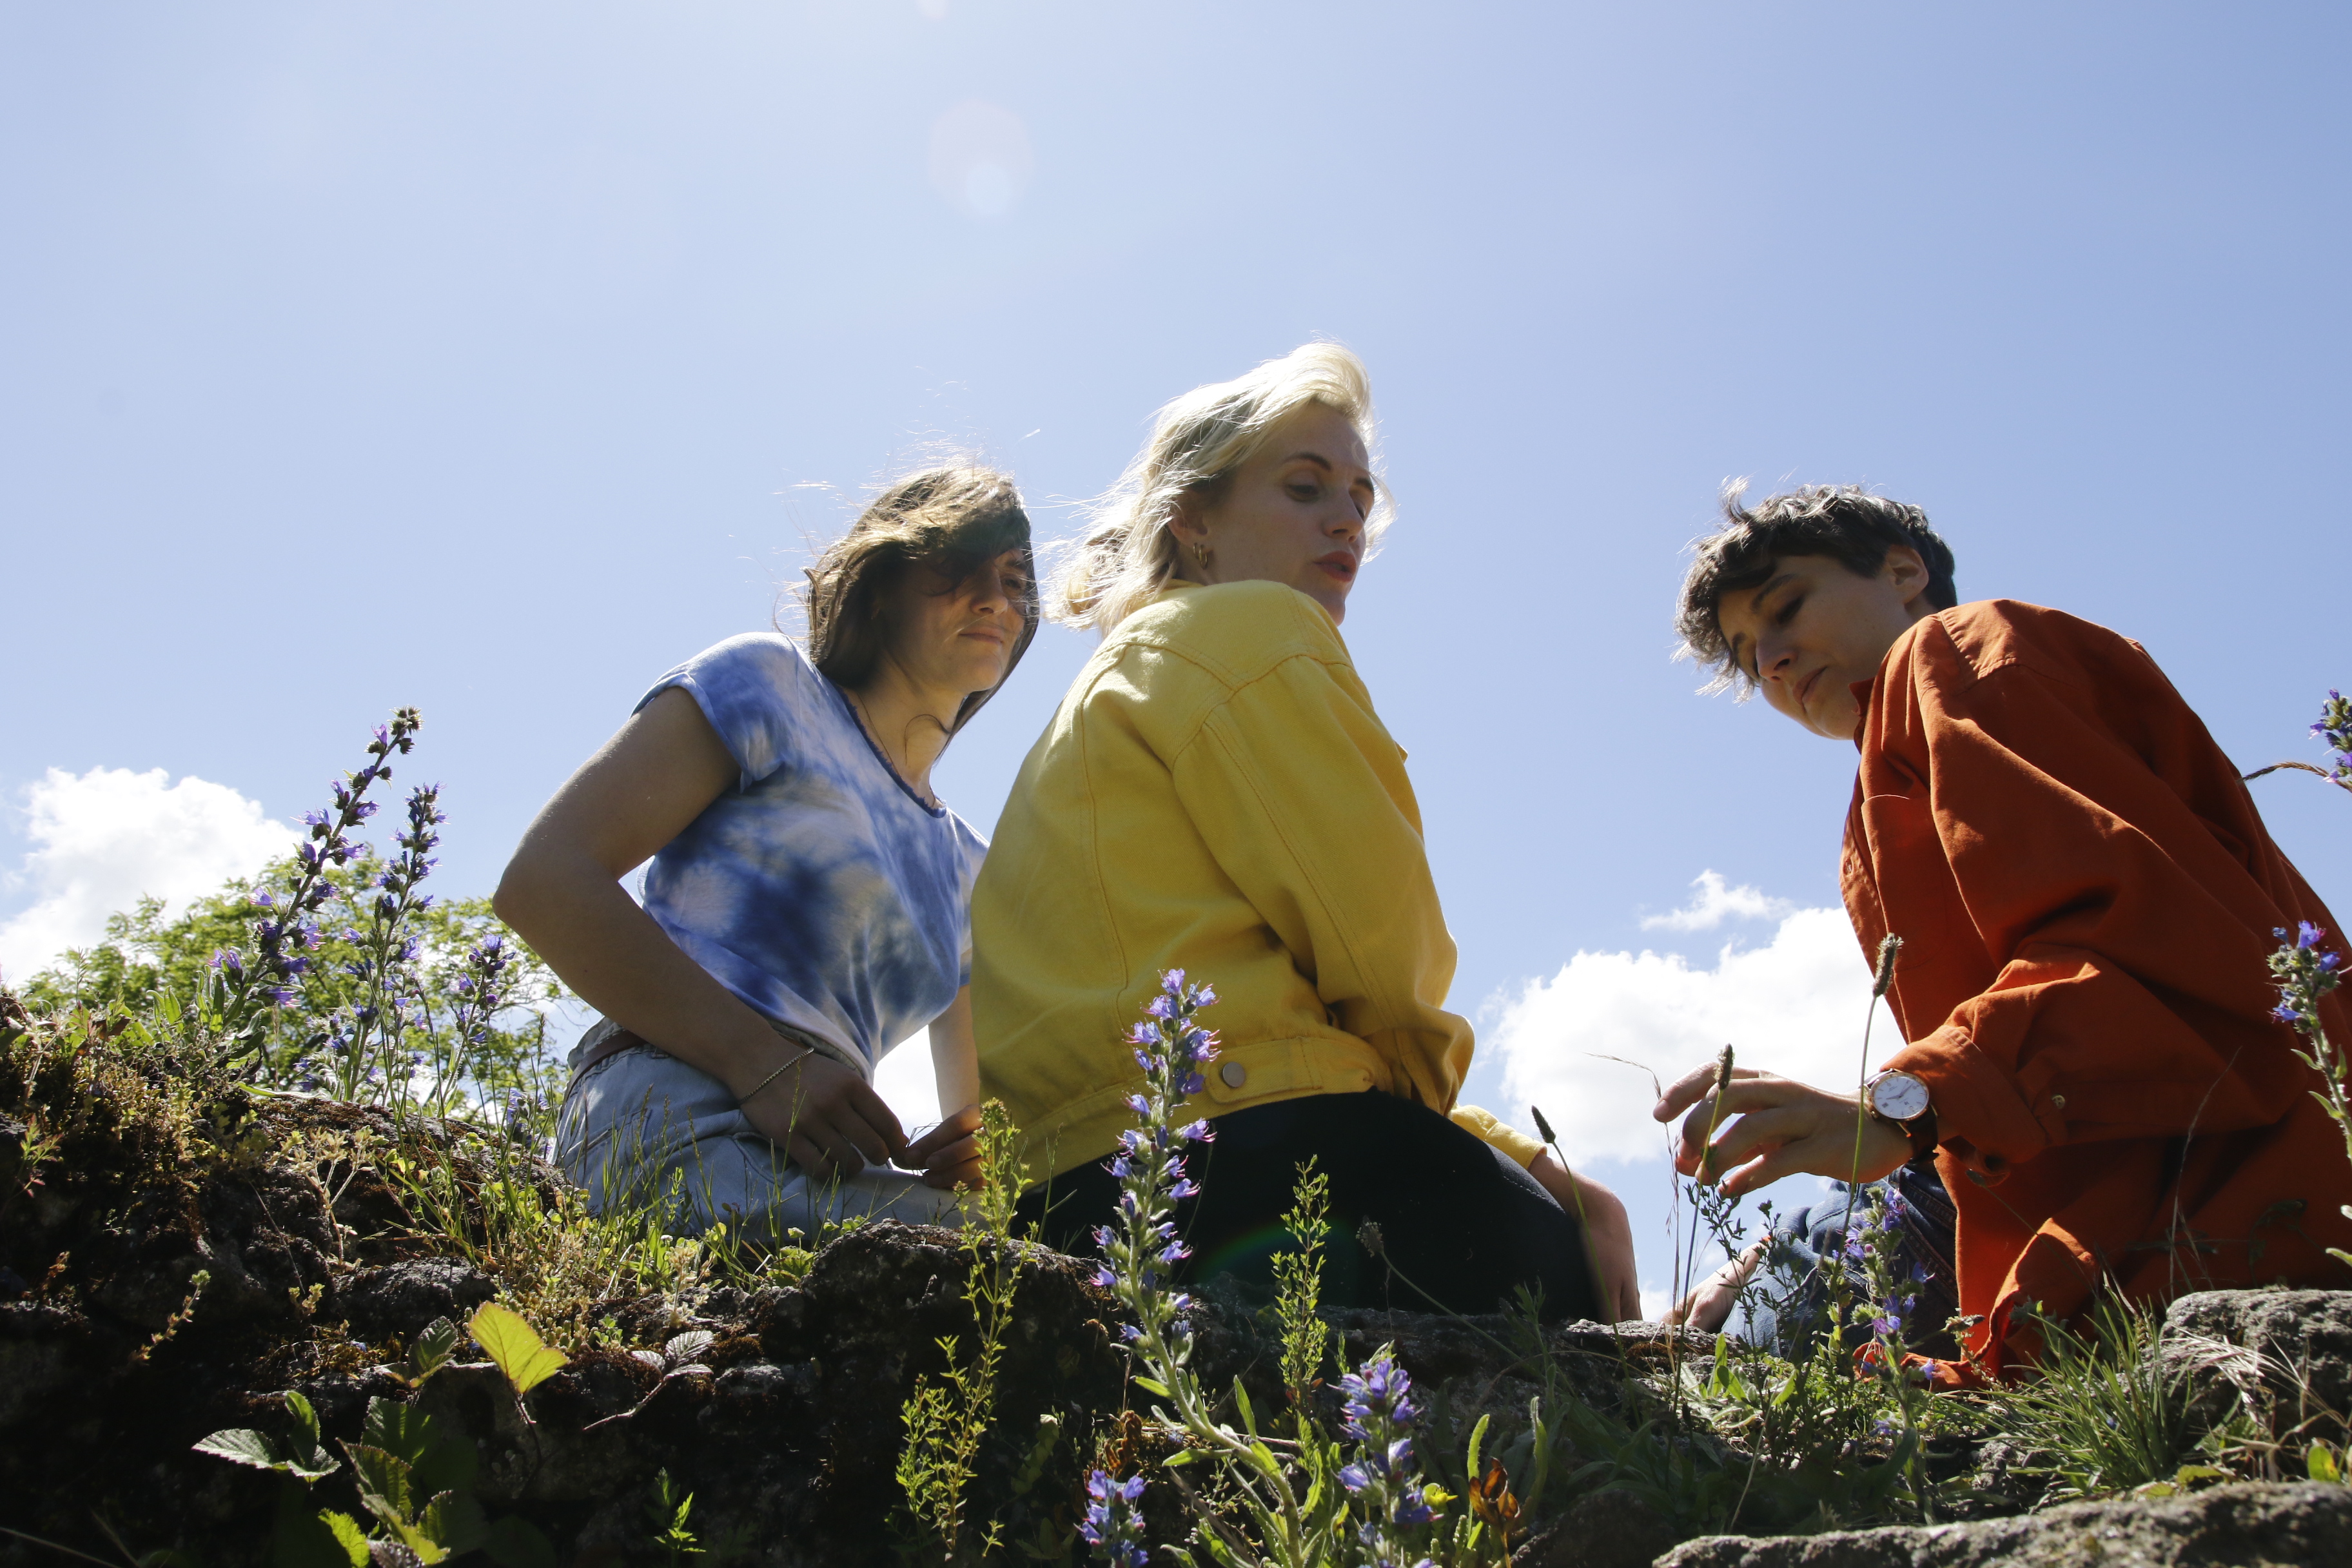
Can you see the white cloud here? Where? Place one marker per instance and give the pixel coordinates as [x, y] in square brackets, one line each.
[1794, 1005]
[103, 839]
[1715, 902]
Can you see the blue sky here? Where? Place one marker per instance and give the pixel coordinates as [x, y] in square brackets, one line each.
[493, 357]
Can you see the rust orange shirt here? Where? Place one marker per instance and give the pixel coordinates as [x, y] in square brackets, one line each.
[2086, 897]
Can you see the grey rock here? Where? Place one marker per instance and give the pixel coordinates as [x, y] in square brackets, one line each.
[2303, 1341]
[1604, 1529]
[2252, 1524]
[403, 1298]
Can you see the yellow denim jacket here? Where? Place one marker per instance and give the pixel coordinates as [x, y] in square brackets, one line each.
[1217, 795]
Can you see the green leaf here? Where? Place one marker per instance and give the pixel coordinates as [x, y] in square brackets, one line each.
[1150, 1386]
[454, 1520]
[1477, 1440]
[243, 1446]
[302, 1538]
[526, 1359]
[306, 1457]
[439, 1460]
[436, 1342]
[517, 1543]
[386, 1488]
[2320, 1464]
[347, 1535]
[1242, 1398]
[428, 1551]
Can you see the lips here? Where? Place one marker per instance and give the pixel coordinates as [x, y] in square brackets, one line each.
[987, 634]
[1805, 687]
[1340, 564]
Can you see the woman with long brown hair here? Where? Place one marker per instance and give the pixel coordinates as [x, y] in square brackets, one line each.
[807, 907]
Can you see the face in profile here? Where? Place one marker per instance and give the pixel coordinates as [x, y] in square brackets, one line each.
[1293, 513]
[1813, 629]
[958, 637]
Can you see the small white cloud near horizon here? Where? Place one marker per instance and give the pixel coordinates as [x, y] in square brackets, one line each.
[1794, 1005]
[1716, 902]
[104, 838]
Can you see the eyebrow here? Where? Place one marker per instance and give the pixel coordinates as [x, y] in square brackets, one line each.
[1324, 463]
[1739, 640]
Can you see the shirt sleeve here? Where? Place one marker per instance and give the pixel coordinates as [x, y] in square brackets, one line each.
[753, 690]
[2117, 936]
[1301, 796]
[1520, 1146]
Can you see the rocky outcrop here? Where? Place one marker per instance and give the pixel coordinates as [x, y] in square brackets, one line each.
[2249, 1525]
[2297, 1353]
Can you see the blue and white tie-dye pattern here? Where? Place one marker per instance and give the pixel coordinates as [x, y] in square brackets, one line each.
[819, 890]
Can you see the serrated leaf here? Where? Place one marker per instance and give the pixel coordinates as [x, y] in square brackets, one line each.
[454, 1520]
[649, 1358]
[347, 1535]
[386, 1484]
[515, 1346]
[688, 1346]
[514, 1542]
[418, 1541]
[243, 1446]
[398, 1429]
[436, 1343]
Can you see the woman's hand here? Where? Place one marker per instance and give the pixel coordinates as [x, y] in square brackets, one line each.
[1708, 1306]
[949, 1154]
[1767, 1128]
[826, 1117]
[1608, 1232]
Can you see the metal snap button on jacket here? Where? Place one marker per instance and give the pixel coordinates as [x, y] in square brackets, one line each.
[1232, 1073]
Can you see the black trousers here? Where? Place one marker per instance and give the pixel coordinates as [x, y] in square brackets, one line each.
[1460, 1220]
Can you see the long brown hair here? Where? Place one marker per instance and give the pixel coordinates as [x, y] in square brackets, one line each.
[955, 519]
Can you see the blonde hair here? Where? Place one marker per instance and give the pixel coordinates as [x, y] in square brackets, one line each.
[1197, 442]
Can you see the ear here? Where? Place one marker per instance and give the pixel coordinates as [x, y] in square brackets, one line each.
[1905, 571]
[1184, 520]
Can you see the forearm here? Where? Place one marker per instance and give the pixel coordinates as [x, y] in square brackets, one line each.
[620, 962]
[955, 1055]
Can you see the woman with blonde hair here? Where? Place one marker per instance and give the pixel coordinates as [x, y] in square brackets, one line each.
[1217, 794]
[808, 903]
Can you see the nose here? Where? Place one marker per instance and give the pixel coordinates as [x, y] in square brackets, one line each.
[988, 591]
[1773, 657]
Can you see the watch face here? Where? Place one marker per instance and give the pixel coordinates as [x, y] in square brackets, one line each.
[1897, 1096]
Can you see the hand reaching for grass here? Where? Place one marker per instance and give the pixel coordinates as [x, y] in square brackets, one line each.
[1765, 1128]
[1708, 1306]
[826, 1117]
[949, 1154]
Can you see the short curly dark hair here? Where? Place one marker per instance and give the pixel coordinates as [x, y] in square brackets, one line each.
[1845, 522]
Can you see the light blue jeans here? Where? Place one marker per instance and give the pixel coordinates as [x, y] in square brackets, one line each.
[644, 1127]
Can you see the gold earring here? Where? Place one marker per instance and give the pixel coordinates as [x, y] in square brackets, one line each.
[1200, 552]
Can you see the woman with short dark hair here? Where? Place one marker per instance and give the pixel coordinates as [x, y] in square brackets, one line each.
[807, 907]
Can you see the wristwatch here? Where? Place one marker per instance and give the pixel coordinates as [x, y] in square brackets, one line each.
[1901, 1098]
